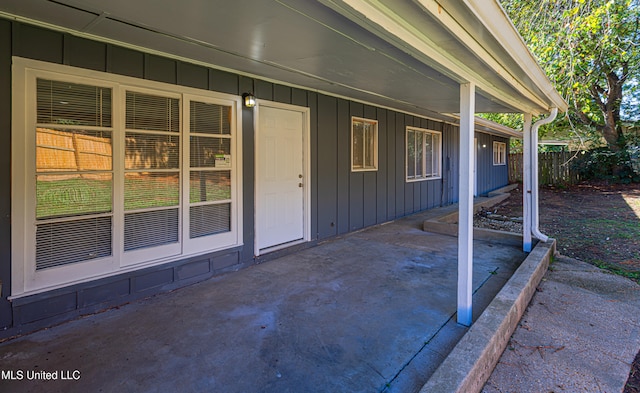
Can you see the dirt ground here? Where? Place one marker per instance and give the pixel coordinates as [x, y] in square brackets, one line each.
[594, 222]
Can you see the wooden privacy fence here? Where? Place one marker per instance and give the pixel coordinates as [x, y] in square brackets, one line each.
[554, 168]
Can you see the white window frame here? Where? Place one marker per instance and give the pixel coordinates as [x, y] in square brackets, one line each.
[437, 162]
[375, 145]
[499, 153]
[26, 280]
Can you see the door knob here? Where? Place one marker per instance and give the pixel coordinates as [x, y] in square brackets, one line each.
[300, 185]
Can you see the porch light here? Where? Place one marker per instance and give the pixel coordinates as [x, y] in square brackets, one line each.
[249, 100]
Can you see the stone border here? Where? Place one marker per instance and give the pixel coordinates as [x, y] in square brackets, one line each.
[471, 362]
[447, 224]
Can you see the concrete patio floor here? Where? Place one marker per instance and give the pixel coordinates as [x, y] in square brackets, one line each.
[367, 312]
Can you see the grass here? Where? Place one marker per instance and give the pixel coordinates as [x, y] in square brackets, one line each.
[634, 275]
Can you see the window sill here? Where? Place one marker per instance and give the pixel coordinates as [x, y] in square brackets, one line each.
[422, 179]
[364, 170]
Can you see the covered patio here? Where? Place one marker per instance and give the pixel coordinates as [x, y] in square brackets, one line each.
[370, 311]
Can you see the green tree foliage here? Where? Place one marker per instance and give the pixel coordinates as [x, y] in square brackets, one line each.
[590, 51]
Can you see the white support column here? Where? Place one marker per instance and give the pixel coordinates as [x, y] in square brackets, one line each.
[465, 207]
[526, 184]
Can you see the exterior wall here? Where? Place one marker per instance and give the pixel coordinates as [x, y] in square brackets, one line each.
[490, 177]
[342, 201]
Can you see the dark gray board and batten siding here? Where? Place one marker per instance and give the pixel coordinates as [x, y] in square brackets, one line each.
[341, 201]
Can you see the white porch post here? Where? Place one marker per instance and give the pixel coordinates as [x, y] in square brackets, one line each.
[526, 184]
[465, 207]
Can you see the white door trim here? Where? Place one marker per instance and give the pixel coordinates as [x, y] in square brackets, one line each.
[306, 153]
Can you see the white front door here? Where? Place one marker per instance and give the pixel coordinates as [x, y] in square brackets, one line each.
[280, 177]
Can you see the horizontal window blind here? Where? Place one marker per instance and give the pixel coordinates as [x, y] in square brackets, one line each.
[210, 118]
[149, 153]
[73, 173]
[207, 183]
[150, 112]
[209, 219]
[67, 242]
[150, 229]
[73, 104]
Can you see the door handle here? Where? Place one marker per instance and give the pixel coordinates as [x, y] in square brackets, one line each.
[300, 185]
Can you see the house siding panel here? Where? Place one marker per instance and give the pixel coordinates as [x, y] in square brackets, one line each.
[124, 61]
[400, 164]
[192, 269]
[369, 204]
[6, 317]
[153, 280]
[222, 262]
[225, 82]
[160, 69]
[282, 94]
[263, 90]
[356, 199]
[192, 75]
[45, 308]
[37, 43]
[248, 185]
[369, 201]
[381, 175]
[489, 177]
[356, 179]
[344, 165]
[341, 200]
[83, 53]
[391, 162]
[104, 293]
[312, 100]
[327, 166]
[298, 97]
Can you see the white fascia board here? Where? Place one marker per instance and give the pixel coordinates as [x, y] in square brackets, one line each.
[496, 21]
[376, 17]
[497, 127]
[485, 124]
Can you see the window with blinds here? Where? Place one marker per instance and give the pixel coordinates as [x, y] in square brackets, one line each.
[152, 170]
[74, 173]
[209, 169]
[424, 149]
[116, 173]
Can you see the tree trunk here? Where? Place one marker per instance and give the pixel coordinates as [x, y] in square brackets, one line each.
[611, 133]
[611, 130]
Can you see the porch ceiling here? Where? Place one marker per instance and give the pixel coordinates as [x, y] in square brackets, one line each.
[411, 57]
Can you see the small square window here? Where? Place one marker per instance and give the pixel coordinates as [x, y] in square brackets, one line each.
[499, 153]
[364, 144]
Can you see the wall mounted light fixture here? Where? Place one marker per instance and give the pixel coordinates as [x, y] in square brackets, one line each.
[249, 100]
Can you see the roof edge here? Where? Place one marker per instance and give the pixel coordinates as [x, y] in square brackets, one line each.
[495, 19]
